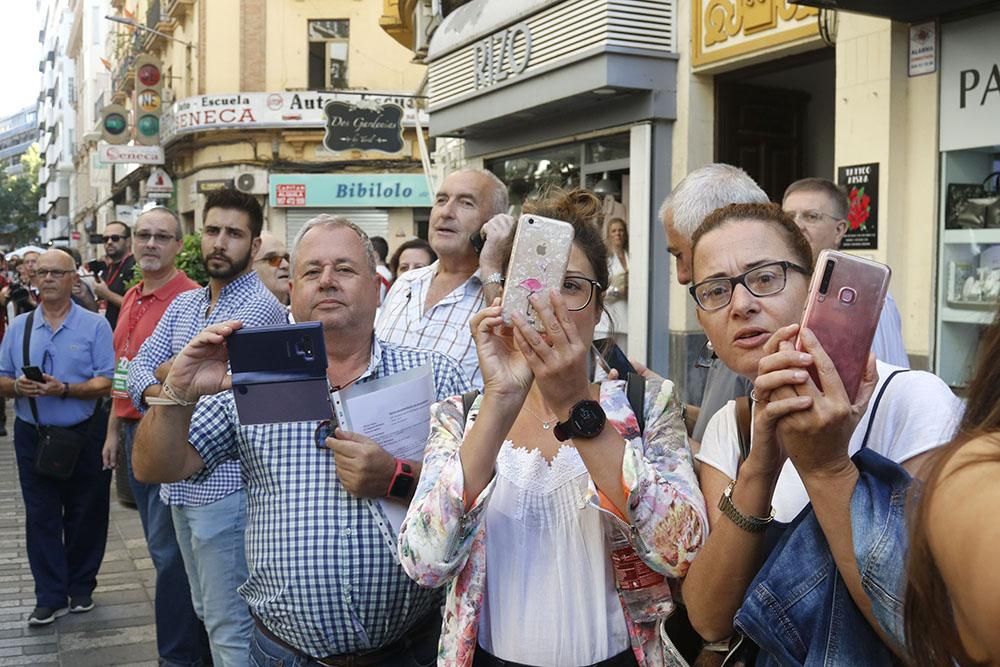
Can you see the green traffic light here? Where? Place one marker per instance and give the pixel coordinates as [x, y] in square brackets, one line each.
[115, 123]
[148, 125]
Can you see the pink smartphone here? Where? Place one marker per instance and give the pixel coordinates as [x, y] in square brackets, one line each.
[537, 263]
[845, 301]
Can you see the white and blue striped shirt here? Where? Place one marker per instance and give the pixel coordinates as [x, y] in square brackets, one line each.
[321, 575]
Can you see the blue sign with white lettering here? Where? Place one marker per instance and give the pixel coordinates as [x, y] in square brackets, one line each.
[349, 191]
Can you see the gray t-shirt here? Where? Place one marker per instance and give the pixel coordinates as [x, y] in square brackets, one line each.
[721, 386]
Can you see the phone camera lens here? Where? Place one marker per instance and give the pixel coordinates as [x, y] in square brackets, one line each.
[824, 284]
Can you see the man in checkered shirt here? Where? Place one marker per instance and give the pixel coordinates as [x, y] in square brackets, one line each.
[431, 307]
[325, 584]
[209, 518]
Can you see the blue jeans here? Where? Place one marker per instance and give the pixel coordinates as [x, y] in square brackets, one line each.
[180, 635]
[211, 541]
[265, 652]
[66, 521]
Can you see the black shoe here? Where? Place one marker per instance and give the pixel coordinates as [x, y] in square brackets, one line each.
[45, 615]
[80, 603]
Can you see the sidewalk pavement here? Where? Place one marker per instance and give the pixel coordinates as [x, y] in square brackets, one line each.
[119, 631]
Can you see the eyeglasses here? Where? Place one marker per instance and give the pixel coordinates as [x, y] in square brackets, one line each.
[55, 273]
[274, 259]
[161, 239]
[810, 217]
[765, 280]
[114, 238]
[578, 292]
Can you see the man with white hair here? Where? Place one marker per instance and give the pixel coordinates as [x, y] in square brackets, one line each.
[325, 586]
[698, 194]
[271, 265]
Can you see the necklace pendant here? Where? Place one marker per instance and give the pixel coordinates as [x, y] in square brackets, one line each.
[546, 425]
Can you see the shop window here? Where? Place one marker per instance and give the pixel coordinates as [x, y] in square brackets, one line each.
[328, 42]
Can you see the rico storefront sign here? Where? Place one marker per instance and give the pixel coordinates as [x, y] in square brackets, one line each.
[249, 111]
[112, 154]
[349, 191]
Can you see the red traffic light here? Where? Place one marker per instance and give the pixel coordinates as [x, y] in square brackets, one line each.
[148, 75]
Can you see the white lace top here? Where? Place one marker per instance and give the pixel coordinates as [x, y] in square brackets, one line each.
[550, 592]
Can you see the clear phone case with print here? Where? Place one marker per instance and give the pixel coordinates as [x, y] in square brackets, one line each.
[537, 263]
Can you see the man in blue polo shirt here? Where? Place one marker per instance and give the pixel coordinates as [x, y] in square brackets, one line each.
[67, 520]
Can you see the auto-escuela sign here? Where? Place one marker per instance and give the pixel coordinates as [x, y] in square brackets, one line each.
[250, 111]
[377, 127]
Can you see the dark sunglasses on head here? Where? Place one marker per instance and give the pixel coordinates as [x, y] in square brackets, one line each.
[274, 260]
[115, 238]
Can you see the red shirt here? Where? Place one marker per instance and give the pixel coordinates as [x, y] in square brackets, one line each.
[139, 315]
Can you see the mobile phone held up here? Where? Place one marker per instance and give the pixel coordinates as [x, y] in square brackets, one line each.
[33, 373]
[537, 263]
[611, 357]
[845, 301]
[279, 373]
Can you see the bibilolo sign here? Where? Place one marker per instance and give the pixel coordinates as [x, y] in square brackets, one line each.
[365, 127]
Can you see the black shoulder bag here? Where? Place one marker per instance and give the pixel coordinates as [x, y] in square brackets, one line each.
[58, 447]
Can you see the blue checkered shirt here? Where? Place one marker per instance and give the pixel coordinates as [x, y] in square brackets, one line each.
[321, 576]
[245, 299]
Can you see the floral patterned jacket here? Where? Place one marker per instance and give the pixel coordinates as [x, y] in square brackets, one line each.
[442, 544]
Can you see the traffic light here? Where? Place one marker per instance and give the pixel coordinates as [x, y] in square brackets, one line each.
[148, 101]
[114, 124]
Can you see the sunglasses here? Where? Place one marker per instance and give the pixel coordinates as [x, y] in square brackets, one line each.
[274, 260]
[114, 238]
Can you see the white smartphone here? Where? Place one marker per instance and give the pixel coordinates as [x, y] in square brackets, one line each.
[537, 263]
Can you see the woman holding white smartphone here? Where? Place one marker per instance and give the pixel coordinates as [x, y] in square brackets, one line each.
[526, 503]
[751, 269]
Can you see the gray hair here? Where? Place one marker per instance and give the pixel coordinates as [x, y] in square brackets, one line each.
[498, 200]
[335, 222]
[706, 189]
[152, 208]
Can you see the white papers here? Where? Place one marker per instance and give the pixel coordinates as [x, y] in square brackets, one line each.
[395, 412]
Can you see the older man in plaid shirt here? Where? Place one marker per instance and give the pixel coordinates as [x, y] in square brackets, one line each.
[431, 307]
[325, 585]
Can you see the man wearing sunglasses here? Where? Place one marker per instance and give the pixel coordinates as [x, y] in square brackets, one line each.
[117, 273]
[66, 519]
[271, 265]
[820, 209]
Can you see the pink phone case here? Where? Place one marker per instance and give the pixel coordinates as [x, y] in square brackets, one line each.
[844, 317]
[537, 263]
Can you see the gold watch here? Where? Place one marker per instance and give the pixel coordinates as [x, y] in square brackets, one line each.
[751, 524]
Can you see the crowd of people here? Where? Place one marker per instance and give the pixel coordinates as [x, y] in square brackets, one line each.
[552, 519]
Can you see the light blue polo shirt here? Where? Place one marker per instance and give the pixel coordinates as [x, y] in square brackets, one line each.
[79, 350]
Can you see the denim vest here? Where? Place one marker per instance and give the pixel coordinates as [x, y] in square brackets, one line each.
[798, 609]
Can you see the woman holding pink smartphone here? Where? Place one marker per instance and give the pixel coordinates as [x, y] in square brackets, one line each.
[804, 455]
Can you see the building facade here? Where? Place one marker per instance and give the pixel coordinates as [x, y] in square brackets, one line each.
[247, 89]
[17, 132]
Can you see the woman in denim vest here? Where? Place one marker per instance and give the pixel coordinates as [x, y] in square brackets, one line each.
[813, 606]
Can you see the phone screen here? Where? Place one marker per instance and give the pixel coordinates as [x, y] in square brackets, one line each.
[33, 373]
[613, 357]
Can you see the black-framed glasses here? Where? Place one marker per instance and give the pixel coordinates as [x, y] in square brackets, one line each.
[765, 280]
[810, 216]
[161, 239]
[578, 291]
[114, 238]
[274, 259]
[55, 273]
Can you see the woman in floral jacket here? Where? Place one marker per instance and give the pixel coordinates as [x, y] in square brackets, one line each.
[579, 521]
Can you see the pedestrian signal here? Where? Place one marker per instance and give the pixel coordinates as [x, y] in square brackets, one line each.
[114, 124]
[148, 102]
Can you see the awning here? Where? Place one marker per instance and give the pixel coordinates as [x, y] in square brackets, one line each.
[907, 11]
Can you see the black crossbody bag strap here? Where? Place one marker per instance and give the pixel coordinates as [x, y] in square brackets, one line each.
[878, 399]
[27, 361]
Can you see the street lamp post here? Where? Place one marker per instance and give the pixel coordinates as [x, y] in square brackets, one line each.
[132, 23]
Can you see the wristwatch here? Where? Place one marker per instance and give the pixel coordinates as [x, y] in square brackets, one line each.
[586, 420]
[751, 524]
[402, 482]
[495, 278]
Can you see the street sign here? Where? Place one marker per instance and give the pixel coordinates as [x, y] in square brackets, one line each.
[111, 154]
[364, 127]
[159, 184]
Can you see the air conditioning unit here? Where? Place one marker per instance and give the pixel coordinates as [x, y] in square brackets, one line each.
[426, 18]
[252, 182]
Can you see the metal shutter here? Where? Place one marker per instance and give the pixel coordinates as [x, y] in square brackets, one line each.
[374, 221]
